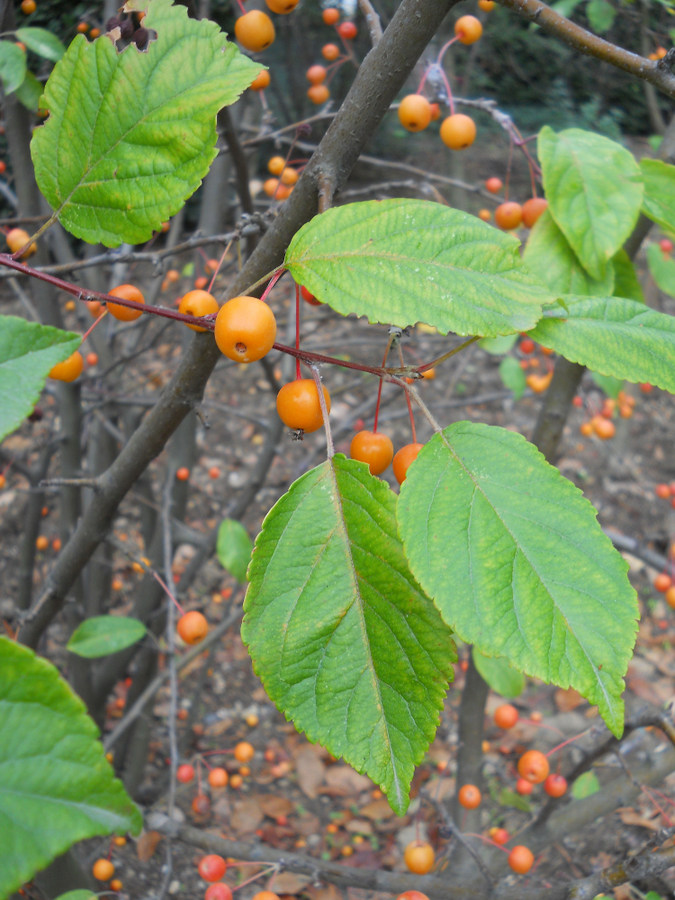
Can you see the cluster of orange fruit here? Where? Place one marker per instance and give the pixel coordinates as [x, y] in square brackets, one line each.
[601, 424]
[510, 215]
[318, 91]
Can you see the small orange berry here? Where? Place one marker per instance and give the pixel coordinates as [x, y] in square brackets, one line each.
[261, 81]
[414, 112]
[318, 94]
[458, 131]
[468, 29]
[126, 313]
[331, 15]
[103, 870]
[182, 473]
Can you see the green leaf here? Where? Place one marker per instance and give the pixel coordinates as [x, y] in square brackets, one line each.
[514, 558]
[234, 548]
[626, 283]
[396, 260]
[42, 42]
[498, 346]
[514, 800]
[585, 785]
[549, 255]
[29, 92]
[611, 386]
[77, 895]
[600, 14]
[662, 269]
[613, 336]
[131, 134]
[512, 376]
[56, 786]
[499, 674]
[659, 200]
[12, 66]
[594, 190]
[340, 633]
[28, 352]
[102, 635]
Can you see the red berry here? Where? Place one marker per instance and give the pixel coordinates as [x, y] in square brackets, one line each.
[469, 796]
[524, 787]
[555, 785]
[347, 31]
[218, 891]
[212, 867]
[185, 773]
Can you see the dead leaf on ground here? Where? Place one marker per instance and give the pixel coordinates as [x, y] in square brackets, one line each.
[310, 771]
[325, 892]
[630, 816]
[377, 809]
[147, 844]
[346, 780]
[273, 806]
[290, 883]
[246, 816]
[568, 700]
[359, 826]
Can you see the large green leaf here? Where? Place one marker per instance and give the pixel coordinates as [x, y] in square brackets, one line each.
[12, 66]
[659, 200]
[42, 42]
[130, 135]
[549, 255]
[340, 633]
[594, 191]
[662, 269]
[29, 92]
[56, 786]
[27, 353]
[514, 558]
[102, 635]
[613, 336]
[600, 15]
[626, 282]
[499, 674]
[233, 548]
[397, 261]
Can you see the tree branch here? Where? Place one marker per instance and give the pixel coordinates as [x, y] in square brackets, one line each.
[658, 73]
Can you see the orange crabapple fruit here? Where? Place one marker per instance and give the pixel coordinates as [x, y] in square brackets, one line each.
[198, 304]
[458, 131]
[16, 239]
[506, 716]
[254, 30]
[299, 407]
[468, 29]
[533, 209]
[524, 787]
[245, 329]
[69, 369]
[28, 7]
[308, 297]
[670, 597]
[486, 5]
[103, 870]
[373, 448]
[282, 7]
[469, 796]
[289, 176]
[276, 165]
[218, 891]
[419, 857]
[603, 428]
[244, 752]
[330, 52]
[403, 459]
[316, 74]
[330, 15]
[347, 31]
[555, 785]
[414, 112]
[265, 895]
[126, 292]
[509, 215]
[218, 777]
[271, 186]
[42, 542]
[494, 185]
[533, 766]
[261, 81]
[211, 867]
[182, 473]
[521, 859]
[192, 627]
[201, 805]
[318, 94]
[412, 895]
[663, 583]
[484, 214]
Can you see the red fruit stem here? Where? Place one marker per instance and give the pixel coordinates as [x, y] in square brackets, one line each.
[486, 840]
[509, 160]
[441, 54]
[412, 417]
[241, 7]
[379, 387]
[568, 741]
[159, 580]
[220, 263]
[93, 325]
[297, 331]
